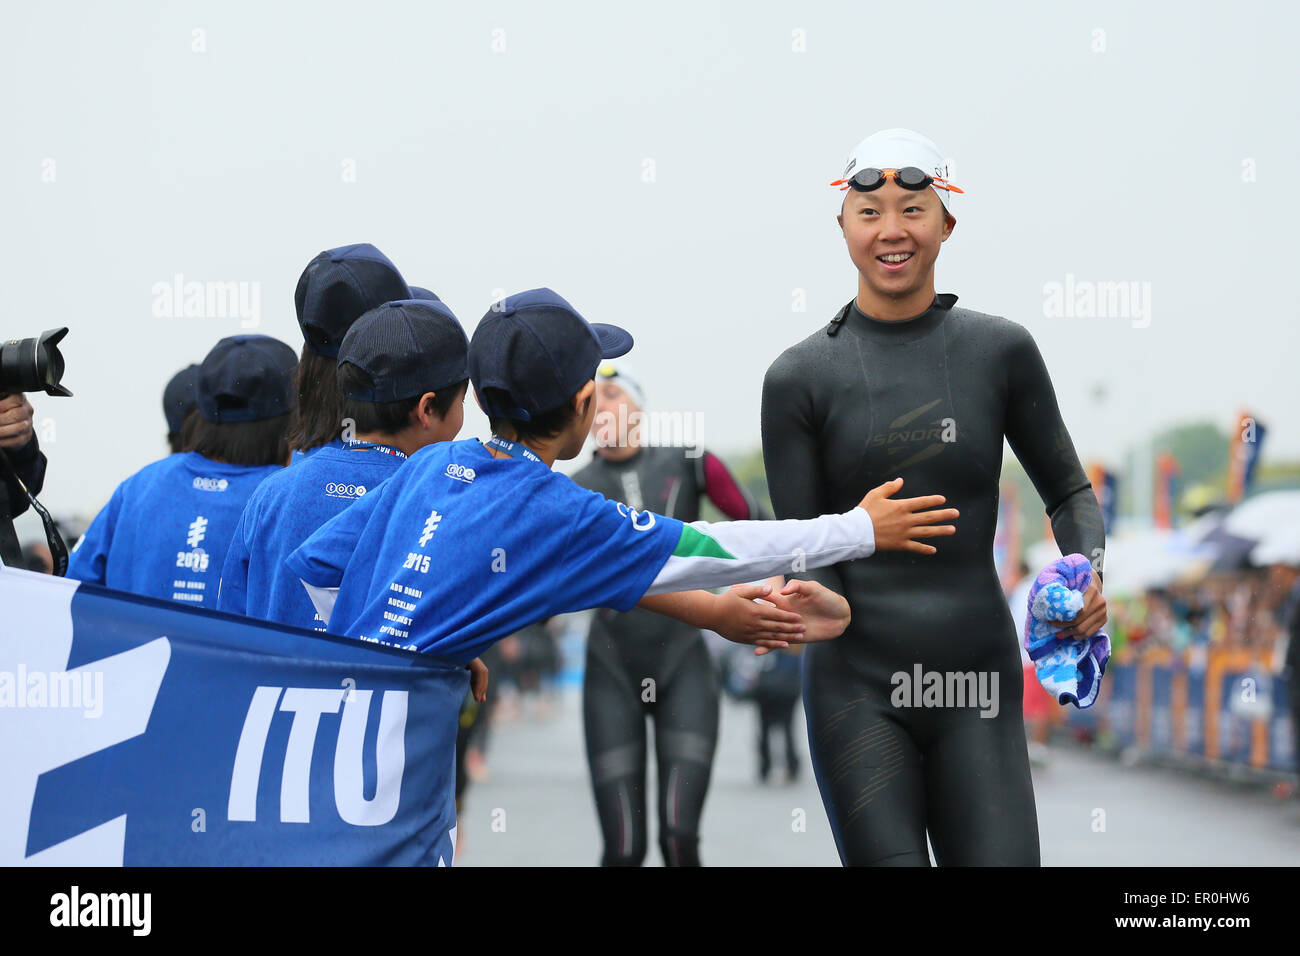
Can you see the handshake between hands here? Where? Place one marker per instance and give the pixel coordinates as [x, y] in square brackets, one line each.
[775, 615]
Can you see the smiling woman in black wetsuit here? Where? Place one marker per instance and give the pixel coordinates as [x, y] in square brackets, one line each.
[903, 384]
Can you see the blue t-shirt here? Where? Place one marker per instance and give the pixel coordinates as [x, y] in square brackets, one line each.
[165, 531]
[459, 549]
[281, 514]
[296, 456]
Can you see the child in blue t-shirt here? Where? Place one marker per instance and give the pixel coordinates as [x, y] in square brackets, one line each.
[402, 374]
[470, 541]
[165, 531]
[335, 289]
[179, 405]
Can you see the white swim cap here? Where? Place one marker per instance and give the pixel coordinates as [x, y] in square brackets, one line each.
[620, 373]
[896, 148]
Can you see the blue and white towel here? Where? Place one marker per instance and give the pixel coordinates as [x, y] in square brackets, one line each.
[1069, 669]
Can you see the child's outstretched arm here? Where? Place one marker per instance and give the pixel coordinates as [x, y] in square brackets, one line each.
[714, 555]
[767, 617]
[735, 614]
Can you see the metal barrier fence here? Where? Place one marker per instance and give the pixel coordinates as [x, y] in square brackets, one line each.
[1217, 706]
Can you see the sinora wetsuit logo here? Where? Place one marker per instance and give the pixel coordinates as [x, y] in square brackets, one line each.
[641, 520]
[916, 437]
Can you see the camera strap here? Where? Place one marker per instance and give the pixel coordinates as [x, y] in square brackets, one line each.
[58, 550]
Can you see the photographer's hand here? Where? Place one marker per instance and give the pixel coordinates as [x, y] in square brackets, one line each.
[15, 421]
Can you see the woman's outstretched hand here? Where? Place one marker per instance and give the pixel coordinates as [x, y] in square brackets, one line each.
[898, 521]
[746, 614]
[825, 614]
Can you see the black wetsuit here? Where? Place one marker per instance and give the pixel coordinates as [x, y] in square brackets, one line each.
[626, 650]
[927, 399]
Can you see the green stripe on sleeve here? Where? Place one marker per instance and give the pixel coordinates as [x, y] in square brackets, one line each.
[696, 544]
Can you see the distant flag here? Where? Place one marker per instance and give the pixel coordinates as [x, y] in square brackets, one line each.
[1167, 472]
[1243, 455]
[1110, 500]
[1104, 485]
[1006, 538]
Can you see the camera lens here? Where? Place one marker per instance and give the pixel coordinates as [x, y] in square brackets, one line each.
[33, 365]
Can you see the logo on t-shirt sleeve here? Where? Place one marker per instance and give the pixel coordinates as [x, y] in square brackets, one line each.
[641, 520]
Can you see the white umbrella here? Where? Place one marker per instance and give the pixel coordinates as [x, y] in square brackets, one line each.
[1280, 547]
[1273, 521]
[1265, 514]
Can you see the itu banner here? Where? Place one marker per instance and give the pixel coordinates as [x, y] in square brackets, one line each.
[139, 732]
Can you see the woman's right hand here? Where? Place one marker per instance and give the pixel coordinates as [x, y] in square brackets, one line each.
[898, 521]
[825, 614]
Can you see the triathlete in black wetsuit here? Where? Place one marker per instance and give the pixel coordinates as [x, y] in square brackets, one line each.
[624, 650]
[924, 391]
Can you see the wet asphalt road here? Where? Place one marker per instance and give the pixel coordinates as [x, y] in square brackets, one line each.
[538, 797]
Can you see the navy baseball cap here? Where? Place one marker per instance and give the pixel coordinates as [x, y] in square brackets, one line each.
[408, 348]
[179, 397]
[246, 378]
[419, 293]
[337, 287]
[537, 347]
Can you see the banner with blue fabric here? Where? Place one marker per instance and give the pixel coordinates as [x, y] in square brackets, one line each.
[141, 732]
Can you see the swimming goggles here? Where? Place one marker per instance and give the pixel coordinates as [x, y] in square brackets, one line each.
[909, 177]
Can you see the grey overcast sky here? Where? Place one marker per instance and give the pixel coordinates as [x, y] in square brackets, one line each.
[664, 166]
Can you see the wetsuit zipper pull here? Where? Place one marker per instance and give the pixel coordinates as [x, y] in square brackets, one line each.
[838, 321]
